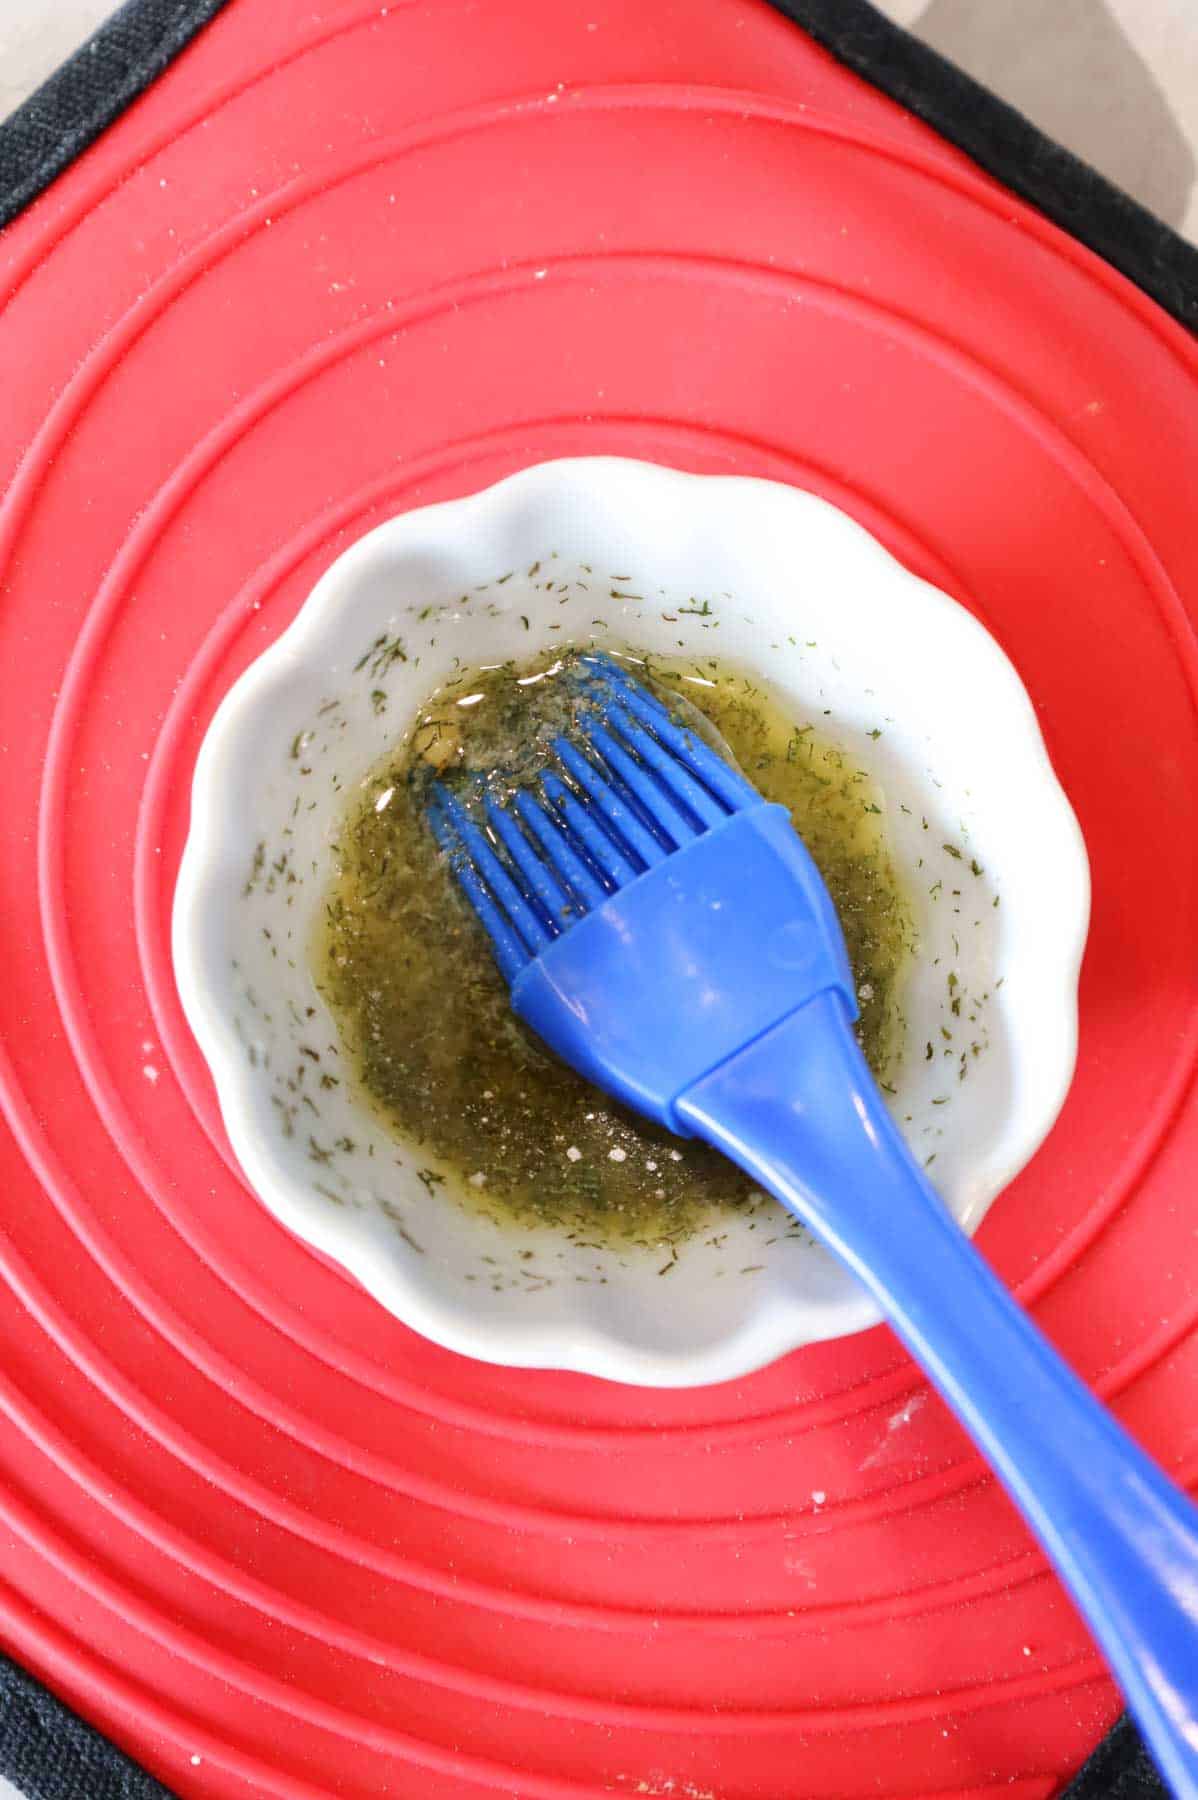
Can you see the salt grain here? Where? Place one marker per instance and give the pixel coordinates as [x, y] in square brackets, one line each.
[574, 1154]
[617, 1155]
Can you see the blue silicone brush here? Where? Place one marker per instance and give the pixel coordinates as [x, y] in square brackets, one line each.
[663, 929]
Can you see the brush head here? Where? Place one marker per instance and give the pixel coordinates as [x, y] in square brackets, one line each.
[630, 787]
[650, 911]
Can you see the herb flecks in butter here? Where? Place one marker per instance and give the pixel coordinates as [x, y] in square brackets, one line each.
[424, 1014]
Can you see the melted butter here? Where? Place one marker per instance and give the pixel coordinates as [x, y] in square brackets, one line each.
[423, 1012]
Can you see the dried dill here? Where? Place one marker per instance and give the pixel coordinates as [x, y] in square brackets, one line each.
[424, 1014]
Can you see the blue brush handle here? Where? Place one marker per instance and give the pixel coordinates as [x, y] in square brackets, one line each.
[800, 1111]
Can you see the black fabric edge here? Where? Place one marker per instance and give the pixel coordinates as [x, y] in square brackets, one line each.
[1008, 146]
[47, 1751]
[1120, 1769]
[70, 110]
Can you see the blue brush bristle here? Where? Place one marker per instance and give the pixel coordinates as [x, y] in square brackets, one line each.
[630, 787]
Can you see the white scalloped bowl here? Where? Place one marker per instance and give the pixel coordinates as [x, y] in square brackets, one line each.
[809, 599]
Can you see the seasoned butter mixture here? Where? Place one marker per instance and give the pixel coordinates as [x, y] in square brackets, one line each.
[424, 1014]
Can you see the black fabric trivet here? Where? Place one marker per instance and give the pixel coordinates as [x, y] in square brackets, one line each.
[1009, 147]
[45, 1750]
[69, 111]
[49, 1754]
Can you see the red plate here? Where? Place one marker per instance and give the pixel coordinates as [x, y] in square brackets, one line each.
[342, 261]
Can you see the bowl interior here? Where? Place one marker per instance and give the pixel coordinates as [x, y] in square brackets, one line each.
[608, 552]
